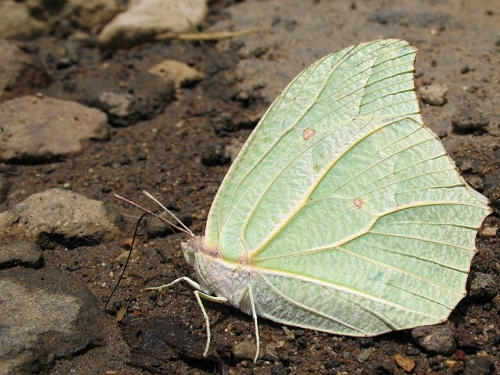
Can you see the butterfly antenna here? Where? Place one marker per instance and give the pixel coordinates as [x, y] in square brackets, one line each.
[170, 212]
[182, 229]
[126, 261]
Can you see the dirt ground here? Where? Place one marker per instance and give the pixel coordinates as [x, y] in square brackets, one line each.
[176, 156]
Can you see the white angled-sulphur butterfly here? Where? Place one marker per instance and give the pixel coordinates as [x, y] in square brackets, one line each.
[342, 213]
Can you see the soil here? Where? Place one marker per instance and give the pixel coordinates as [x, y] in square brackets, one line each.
[175, 155]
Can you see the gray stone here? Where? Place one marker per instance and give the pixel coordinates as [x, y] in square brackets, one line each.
[215, 155]
[22, 253]
[434, 94]
[117, 105]
[438, 339]
[365, 354]
[46, 315]
[244, 350]
[476, 365]
[60, 216]
[42, 128]
[481, 287]
[144, 19]
[465, 167]
[469, 118]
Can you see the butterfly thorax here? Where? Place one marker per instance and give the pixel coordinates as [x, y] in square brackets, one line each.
[218, 276]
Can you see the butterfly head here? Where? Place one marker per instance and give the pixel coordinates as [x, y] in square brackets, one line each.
[191, 247]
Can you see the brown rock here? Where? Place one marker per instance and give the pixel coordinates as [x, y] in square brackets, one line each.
[176, 72]
[469, 118]
[42, 129]
[438, 339]
[57, 215]
[434, 94]
[407, 364]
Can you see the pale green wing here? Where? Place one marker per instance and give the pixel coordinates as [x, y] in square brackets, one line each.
[391, 251]
[347, 207]
[341, 97]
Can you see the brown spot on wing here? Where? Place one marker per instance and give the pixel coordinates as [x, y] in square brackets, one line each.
[358, 202]
[308, 134]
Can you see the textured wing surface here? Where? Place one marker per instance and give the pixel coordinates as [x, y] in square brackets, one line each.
[341, 98]
[346, 205]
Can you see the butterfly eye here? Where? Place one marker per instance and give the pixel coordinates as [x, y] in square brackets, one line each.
[189, 249]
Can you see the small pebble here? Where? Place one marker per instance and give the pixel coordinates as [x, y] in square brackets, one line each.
[469, 118]
[290, 334]
[331, 363]
[460, 355]
[449, 363]
[412, 351]
[465, 167]
[434, 94]
[407, 364]
[481, 287]
[234, 148]
[442, 134]
[364, 342]
[279, 369]
[475, 365]
[489, 232]
[244, 350]
[364, 355]
[215, 155]
[438, 339]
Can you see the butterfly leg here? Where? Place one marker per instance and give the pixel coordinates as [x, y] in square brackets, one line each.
[193, 284]
[199, 295]
[254, 315]
[247, 293]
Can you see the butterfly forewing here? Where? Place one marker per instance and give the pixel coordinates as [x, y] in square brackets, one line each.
[328, 99]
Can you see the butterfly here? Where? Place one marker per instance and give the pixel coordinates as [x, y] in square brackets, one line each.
[342, 213]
